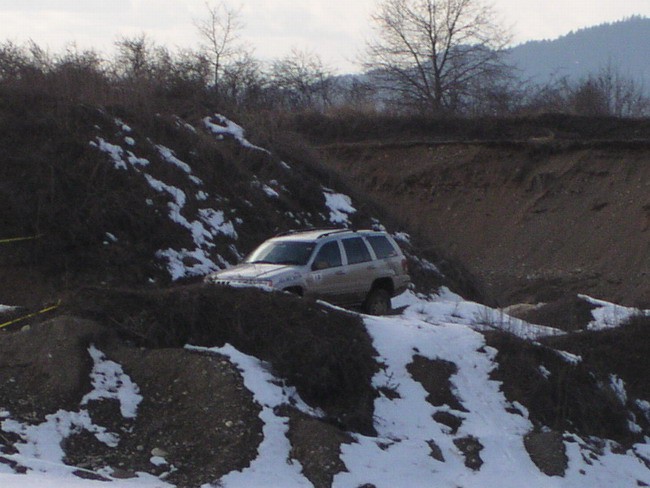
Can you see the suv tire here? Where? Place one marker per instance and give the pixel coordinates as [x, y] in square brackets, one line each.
[377, 302]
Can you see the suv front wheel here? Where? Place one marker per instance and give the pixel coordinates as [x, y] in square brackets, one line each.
[377, 302]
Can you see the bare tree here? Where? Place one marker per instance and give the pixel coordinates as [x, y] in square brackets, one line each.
[133, 58]
[589, 99]
[243, 80]
[433, 53]
[14, 61]
[551, 97]
[302, 80]
[621, 96]
[220, 32]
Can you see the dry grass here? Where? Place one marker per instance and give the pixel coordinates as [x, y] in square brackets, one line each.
[580, 397]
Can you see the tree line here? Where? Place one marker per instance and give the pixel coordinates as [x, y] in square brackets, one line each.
[430, 57]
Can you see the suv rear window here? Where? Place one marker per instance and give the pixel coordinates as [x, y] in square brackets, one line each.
[356, 250]
[382, 247]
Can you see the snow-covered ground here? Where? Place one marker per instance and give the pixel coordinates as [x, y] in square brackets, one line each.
[444, 327]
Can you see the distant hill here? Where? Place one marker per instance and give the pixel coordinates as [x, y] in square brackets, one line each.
[623, 45]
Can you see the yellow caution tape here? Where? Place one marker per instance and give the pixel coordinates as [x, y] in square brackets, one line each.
[34, 314]
[19, 239]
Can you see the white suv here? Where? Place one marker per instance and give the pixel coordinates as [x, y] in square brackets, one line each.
[341, 266]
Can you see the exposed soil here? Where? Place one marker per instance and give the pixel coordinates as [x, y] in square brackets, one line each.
[195, 411]
[317, 446]
[570, 313]
[471, 449]
[548, 452]
[434, 375]
[533, 220]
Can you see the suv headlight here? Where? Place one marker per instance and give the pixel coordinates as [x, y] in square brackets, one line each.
[268, 283]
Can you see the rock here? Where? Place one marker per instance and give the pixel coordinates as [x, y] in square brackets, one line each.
[157, 452]
[547, 451]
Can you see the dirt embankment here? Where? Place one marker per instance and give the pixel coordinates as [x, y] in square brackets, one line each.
[532, 220]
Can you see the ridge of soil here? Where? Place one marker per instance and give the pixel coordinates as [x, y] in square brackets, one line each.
[533, 221]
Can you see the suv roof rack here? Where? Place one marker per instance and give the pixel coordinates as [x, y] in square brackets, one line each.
[334, 231]
[327, 231]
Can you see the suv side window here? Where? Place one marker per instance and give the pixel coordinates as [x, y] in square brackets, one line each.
[356, 250]
[329, 256]
[382, 247]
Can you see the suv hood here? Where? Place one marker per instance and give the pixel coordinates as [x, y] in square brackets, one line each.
[254, 272]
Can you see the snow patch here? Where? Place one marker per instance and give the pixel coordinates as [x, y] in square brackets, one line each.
[448, 307]
[169, 156]
[608, 315]
[122, 125]
[426, 264]
[402, 236]
[217, 223]
[270, 192]
[118, 155]
[544, 372]
[617, 385]
[568, 357]
[110, 382]
[177, 260]
[339, 205]
[221, 126]
[110, 239]
[377, 225]
[644, 406]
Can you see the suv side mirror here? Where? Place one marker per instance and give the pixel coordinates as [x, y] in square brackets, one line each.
[319, 265]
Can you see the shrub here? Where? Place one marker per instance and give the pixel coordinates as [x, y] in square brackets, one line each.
[558, 394]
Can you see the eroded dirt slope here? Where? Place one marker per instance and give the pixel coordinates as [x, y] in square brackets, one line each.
[531, 220]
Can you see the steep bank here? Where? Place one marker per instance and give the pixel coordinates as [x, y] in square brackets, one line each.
[532, 220]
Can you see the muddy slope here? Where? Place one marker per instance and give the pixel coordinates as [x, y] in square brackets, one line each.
[532, 220]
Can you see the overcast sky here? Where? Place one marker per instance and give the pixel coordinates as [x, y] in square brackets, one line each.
[334, 29]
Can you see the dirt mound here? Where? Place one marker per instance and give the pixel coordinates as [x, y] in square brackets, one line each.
[533, 221]
[196, 419]
[381, 128]
[194, 408]
[46, 368]
[195, 412]
[326, 354]
[569, 313]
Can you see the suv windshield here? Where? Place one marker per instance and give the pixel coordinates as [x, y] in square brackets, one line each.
[282, 252]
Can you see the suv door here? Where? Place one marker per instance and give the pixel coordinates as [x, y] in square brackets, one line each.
[360, 268]
[327, 276]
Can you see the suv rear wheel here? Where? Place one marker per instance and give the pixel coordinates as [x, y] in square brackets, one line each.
[377, 302]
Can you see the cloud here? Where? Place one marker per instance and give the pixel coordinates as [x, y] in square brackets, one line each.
[532, 19]
[334, 29]
[65, 6]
